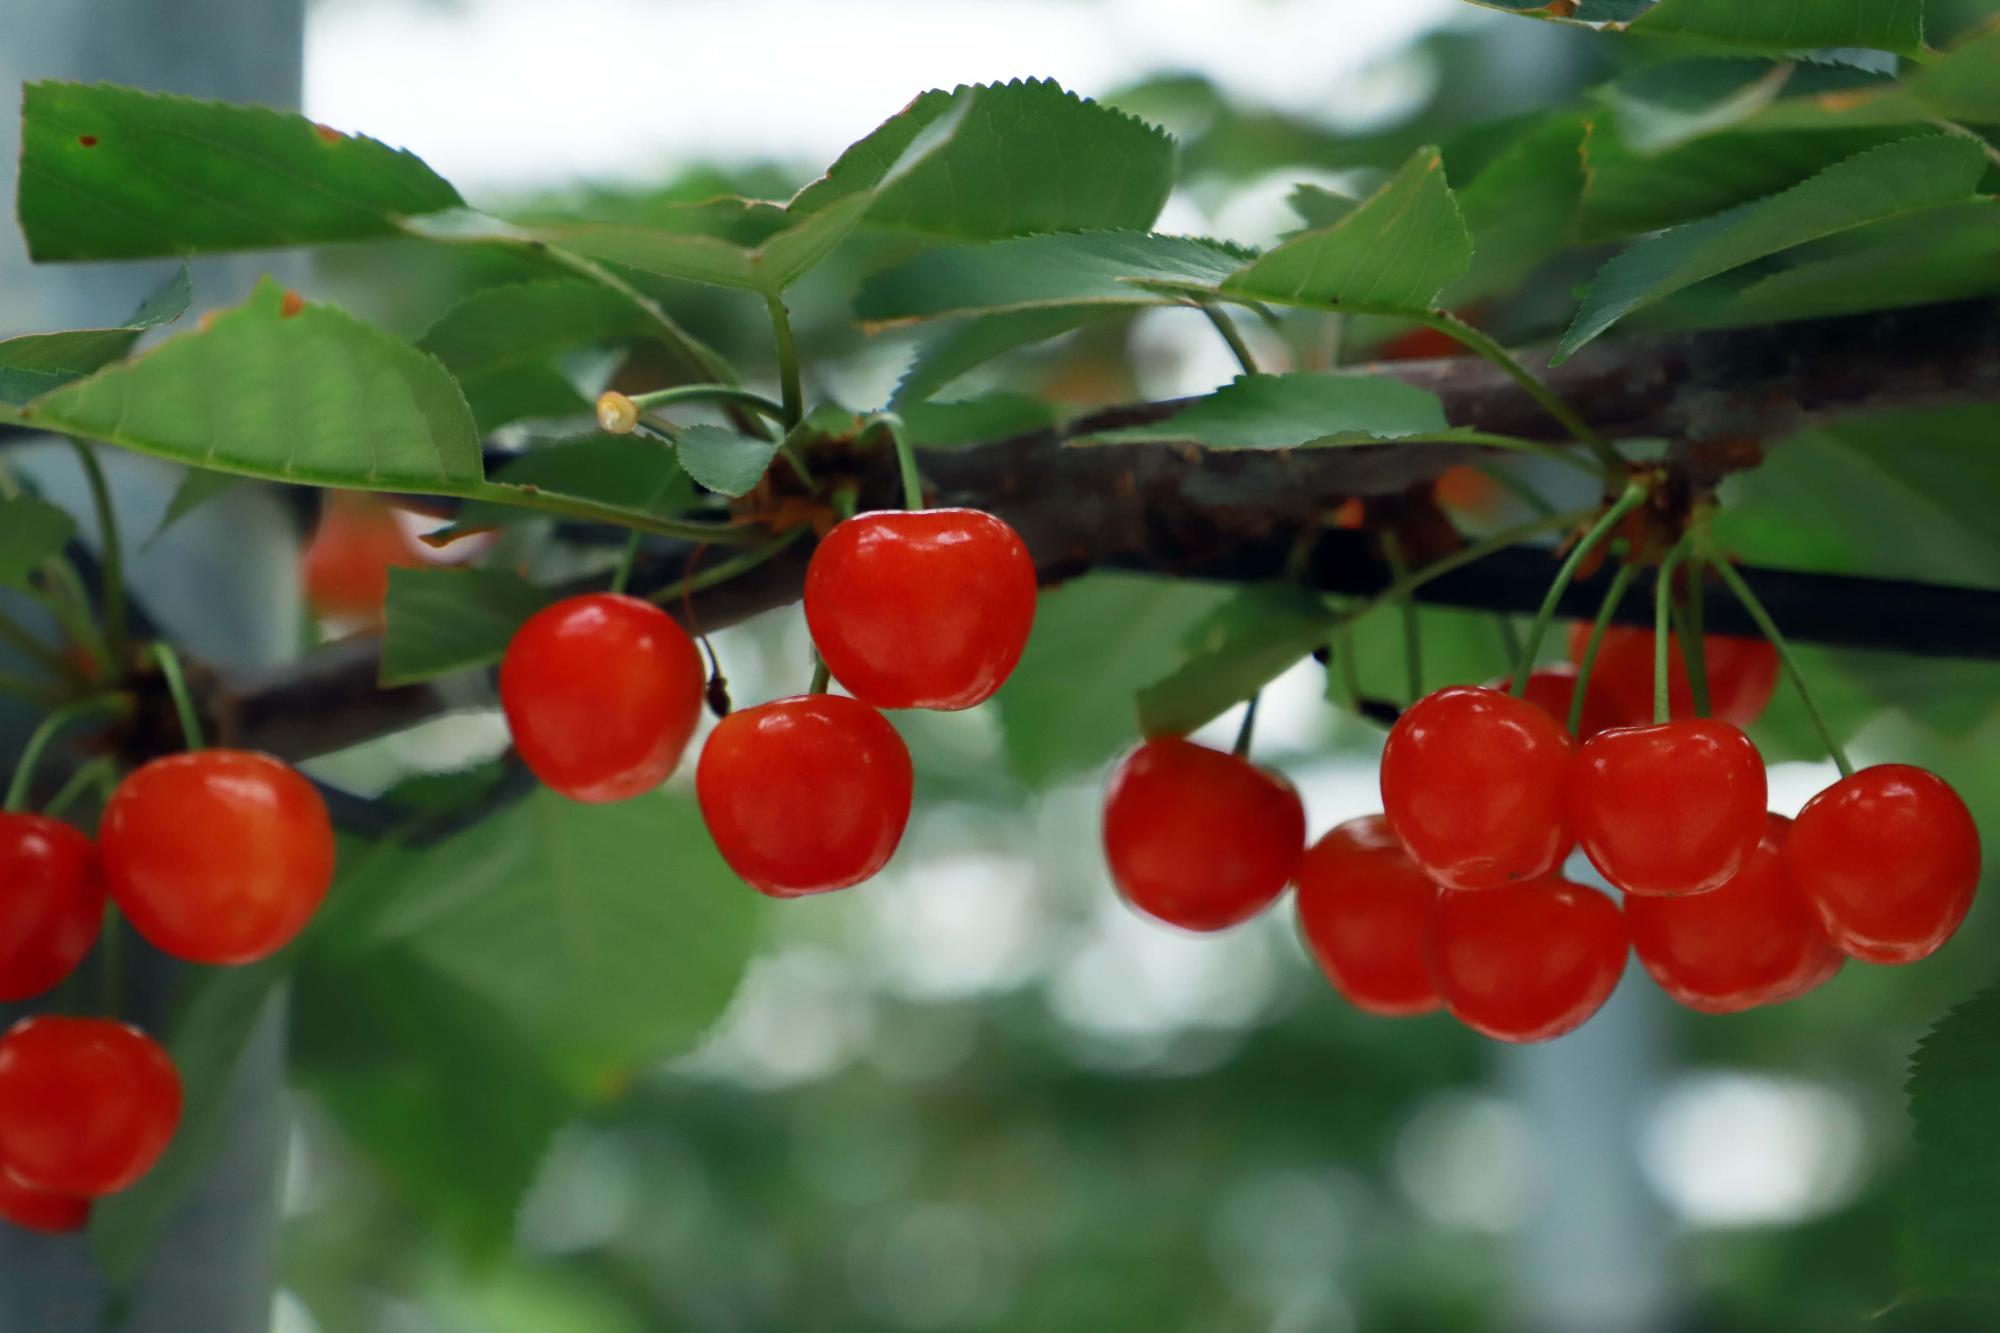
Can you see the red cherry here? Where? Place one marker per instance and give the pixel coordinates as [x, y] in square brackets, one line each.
[346, 565]
[217, 856]
[1552, 689]
[1526, 962]
[1752, 941]
[601, 693]
[1672, 808]
[51, 903]
[806, 794]
[1199, 838]
[1476, 785]
[39, 1210]
[86, 1105]
[1742, 673]
[928, 609]
[1889, 858]
[1363, 905]
[1420, 344]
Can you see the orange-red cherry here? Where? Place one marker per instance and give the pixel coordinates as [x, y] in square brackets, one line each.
[926, 609]
[1199, 838]
[806, 794]
[39, 1210]
[1889, 858]
[217, 856]
[602, 693]
[1526, 962]
[1742, 673]
[1476, 785]
[1363, 905]
[86, 1105]
[1752, 941]
[51, 903]
[1672, 808]
[346, 564]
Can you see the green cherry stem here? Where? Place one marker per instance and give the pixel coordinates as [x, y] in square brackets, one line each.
[1451, 325]
[660, 399]
[1694, 645]
[822, 676]
[724, 570]
[906, 461]
[31, 754]
[170, 667]
[1719, 561]
[1413, 633]
[1465, 555]
[1243, 733]
[788, 362]
[1631, 498]
[100, 772]
[1663, 605]
[622, 575]
[111, 556]
[1226, 326]
[1612, 597]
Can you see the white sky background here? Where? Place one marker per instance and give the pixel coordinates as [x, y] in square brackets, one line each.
[502, 95]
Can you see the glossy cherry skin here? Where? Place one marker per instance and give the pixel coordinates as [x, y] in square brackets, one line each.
[217, 856]
[1889, 858]
[1363, 906]
[928, 609]
[1672, 808]
[1754, 940]
[806, 794]
[86, 1105]
[1742, 673]
[1553, 689]
[1526, 962]
[602, 693]
[346, 564]
[39, 1210]
[1476, 785]
[51, 903]
[1199, 838]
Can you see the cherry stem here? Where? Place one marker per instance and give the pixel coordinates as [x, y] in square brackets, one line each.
[31, 754]
[1451, 325]
[1612, 597]
[170, 667]
[1344, 663]
[1243, 733]
[822, 675]
[1521, 490]
[98, 772]
[110, 979]
[1632, 497]
[623, 574]
[1694, 643]
[724, 570]
[709, 393]
[1663, 604]
[110, 555]
[1514, 443]
[1755, 608]
[1226, 326]
[1510, 637]
[1413, 634]
[788, 362]
[1465, 555]
[906, 461]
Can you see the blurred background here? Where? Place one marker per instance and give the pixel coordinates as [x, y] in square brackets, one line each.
[979, 1093]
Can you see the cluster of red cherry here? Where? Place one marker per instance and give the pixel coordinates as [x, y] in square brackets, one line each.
[918, 609]
[214, 856]
[1452, 898]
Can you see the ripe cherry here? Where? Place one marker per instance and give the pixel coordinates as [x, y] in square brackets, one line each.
[1476, 785]
[346, 565]
[1672, 808]
[1742, 673]
[601, 693]
[927, 609]
[1200, 838]
[1526, 962]
[1553, 689]
[806, 794]
[86, 1105]
[1754, 940]
[51, 903]
[1889, 858]
[39, 1210]
[1363, 905]
[217, 856]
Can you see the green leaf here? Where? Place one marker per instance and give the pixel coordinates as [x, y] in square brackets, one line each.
[1395, 252]
[445, 620]
[1891, 181]
[213, 1025]
[1881, 25]
[1244, 643]
[35, 363]
[31, 531]
[562, 917]
[114, 173]
[500, 342]
[197, 487]
[1953, 1210]
[1319, 207]
[1521, 207]
[1963, 86]
[1662, 106]
[993, 416]
[1029, 157]
[722, 460]
[1293, 411]
[1092, 268]
[1057, 719]
[316, 397]
[617, 470]
[977, 341]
